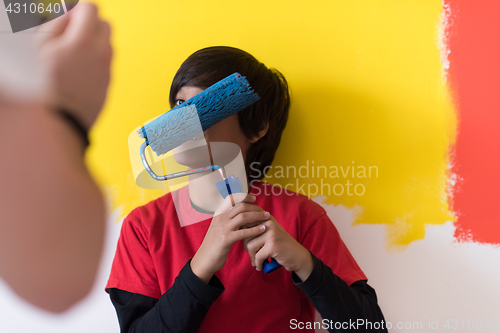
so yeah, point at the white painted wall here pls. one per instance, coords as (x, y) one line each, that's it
(435, 279)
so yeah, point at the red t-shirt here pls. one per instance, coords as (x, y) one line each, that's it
(153, 248)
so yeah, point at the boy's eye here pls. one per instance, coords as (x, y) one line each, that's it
(179, 102)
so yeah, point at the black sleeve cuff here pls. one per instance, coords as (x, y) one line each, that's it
(337, 301)
(313, 282)
(204, 293)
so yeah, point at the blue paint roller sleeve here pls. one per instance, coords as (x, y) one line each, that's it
(216, 103)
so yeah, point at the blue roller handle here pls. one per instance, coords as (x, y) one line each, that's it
(270, 266)
(233, 185)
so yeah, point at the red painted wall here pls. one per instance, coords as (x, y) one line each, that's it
(474, 43)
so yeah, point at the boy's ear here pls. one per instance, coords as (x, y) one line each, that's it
(262, 132)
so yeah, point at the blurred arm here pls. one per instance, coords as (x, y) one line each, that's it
(52, 212)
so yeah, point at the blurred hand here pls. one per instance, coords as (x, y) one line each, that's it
(76, 58)
(223, 232)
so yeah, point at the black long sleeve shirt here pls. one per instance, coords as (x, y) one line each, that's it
(183, 307)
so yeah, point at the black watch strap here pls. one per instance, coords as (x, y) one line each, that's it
(75, 123)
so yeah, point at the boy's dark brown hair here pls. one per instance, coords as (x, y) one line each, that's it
(210, 65)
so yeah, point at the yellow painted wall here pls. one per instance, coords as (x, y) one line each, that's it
(367, 90)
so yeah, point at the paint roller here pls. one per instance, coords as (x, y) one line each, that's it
(182, 123)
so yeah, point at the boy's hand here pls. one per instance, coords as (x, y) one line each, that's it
(278, 244)
(223, 232)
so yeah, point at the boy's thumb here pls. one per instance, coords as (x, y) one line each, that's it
(227, 204)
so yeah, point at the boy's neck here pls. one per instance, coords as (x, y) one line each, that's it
(203, 193)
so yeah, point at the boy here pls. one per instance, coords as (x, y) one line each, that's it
(163, 276)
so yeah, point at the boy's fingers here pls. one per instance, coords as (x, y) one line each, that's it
(224, 207)
(261, 255)
(236, 197)
(243, 208)
(242, 198)
(247, 217)
(249, 233)
(253, 245)
(249, 198)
